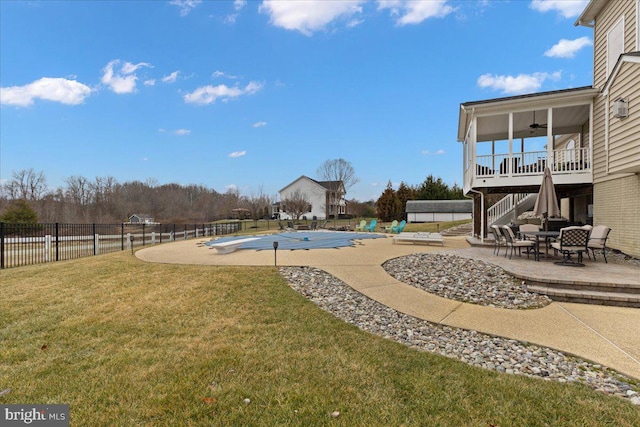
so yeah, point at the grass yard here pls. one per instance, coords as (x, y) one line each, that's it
(128, 343)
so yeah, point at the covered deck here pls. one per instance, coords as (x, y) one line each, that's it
(508, 142)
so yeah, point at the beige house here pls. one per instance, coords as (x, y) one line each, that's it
(589, 137)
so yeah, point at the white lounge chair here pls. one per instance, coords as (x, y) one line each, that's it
(419, 238)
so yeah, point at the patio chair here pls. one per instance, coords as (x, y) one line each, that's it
(372, 225)
(388, 228)
(498, 239)
(513, 243)
(598, 240)
(362, 225)
(570, 241)
(398, 229)
(531, 228)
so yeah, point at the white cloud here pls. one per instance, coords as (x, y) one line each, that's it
(237, 154)
(259, 124)
(150, 82)
(308, 16)
(522, 83)
(185, 6)
(208, 94)
(414, 12)
(568, 48)
(124, 80)
(218, 73)
(171, 78)
(239, 4)
(70, 92)
(178, 132)
(434, 153)
(566, 8)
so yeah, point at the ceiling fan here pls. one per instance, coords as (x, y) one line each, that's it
(536, 125)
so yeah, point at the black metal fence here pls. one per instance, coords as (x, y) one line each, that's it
(25, 244)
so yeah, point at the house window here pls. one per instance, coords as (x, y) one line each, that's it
(615, 44)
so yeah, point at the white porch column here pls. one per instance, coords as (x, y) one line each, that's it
(550, 147)
(510, 170)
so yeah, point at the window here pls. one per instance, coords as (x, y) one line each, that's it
(615, 44)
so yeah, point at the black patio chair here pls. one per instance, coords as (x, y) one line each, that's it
(572, 240)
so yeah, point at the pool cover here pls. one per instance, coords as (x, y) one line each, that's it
(301, 240)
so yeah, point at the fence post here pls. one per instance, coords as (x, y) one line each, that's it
(95, 239)
(96, 244)
(122, 236)
(47, 248)
(153, 237)
(57, 241)
(1, 245)
(173, 233)
(144, 226)
(160, 227)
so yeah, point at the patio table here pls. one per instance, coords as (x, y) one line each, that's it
(542, 235)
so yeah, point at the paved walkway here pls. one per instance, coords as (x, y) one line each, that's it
(605, 335)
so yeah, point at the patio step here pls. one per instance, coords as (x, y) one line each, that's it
(591, 293)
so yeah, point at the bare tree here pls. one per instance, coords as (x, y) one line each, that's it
(257, 204)
(296, 204)
(26, 184)
(339, 176)
(338, 170)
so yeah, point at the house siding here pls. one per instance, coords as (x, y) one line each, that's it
(313, 192)
(617, 204)
(610, 16)
(624, 137)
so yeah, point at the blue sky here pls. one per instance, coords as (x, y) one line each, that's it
(252, 94)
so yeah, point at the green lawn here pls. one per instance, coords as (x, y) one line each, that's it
(128, 343)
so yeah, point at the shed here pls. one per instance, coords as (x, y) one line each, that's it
(438, 210)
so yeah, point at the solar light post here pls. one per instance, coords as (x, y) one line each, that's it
(275, 252)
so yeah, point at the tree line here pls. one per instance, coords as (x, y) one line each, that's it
(105, 200)
(392, 203)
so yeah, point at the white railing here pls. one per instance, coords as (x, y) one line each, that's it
(571, 161)
(505, 206)
(532, 163)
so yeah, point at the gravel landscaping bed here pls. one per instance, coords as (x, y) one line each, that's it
(475, 348)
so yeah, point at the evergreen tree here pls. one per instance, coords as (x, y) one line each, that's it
(385, 204)
(19, 211)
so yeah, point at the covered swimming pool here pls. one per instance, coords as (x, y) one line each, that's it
(301, 240)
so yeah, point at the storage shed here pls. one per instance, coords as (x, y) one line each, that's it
(438, 210)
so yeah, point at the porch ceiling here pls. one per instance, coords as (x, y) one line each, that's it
(570, 111)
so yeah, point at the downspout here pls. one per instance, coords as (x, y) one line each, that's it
(482, 212)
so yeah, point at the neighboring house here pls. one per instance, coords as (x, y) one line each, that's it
(438, 210)
(588, 136)
(326, 198)
(141, 219)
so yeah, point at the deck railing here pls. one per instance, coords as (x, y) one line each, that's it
(532, 163)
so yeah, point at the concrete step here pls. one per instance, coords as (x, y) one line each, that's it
(584, 296)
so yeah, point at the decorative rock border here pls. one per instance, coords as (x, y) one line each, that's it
(475, 348)
(461, 279)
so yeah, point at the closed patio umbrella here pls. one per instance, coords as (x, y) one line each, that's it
(547, 201)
